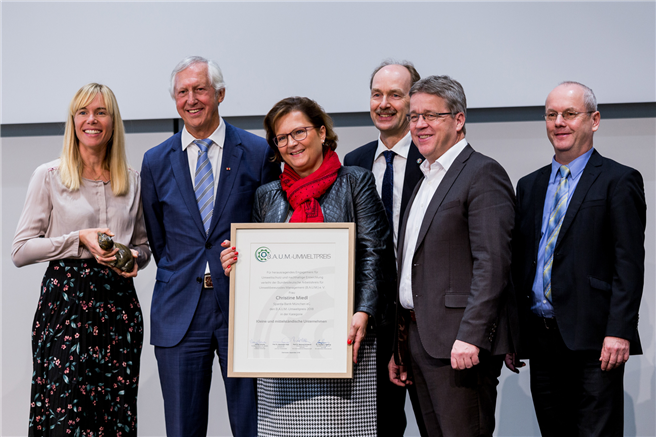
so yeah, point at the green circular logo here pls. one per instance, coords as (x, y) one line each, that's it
(262, 254)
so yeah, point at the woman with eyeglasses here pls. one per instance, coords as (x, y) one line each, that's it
(315, 187)
(88, 327)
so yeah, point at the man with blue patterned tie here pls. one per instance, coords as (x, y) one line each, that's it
(394, 161)
(578, 271)
(193, 186)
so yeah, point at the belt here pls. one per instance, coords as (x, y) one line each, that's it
(548, 323)
(207, 281)
(413, 316)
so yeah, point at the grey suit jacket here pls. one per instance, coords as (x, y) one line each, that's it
(461, 264)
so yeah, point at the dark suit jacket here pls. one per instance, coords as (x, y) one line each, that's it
(363, 157)
(461, 264)
(598, 268)
(352, 198)
(175, 230)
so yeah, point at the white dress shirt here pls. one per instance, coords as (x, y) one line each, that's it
(214, 154)
(402, 148)
(433, 175)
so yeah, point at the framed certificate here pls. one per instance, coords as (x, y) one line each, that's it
(291, 300)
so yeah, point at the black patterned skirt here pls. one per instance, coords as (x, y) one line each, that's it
(301, 407)
(86, 343)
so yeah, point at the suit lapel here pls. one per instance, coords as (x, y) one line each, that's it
(412, 175)
(402, 227)
(447, 182)
(228, 171)
(590, 174)
(367, 157)
(538, 195)
(180, 166)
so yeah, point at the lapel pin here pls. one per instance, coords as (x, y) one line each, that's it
(419, 160)
(228, 168)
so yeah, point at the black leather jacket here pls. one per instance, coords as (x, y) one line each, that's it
(351, 198)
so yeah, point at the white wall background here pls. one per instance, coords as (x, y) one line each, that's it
(505, 54)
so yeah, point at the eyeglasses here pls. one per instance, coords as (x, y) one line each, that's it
(567, 115)
(427, 116)
(298, 134)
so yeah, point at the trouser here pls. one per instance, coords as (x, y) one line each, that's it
(390, 398)
(454, 402)
(572, 396)
(185, 373)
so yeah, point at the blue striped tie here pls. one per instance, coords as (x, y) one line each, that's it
(553, 227)
(204, 183)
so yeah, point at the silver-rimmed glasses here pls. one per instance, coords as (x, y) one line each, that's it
(427, 116)
(568, 115)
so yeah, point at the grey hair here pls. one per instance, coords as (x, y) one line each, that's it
(446, 88)
(213, 72)
(414, 75)
(589, 99)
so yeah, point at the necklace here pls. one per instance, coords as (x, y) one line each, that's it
(99, 176)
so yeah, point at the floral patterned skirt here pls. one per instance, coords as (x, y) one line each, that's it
(86, 341)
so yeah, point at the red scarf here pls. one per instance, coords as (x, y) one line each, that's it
(302, 193)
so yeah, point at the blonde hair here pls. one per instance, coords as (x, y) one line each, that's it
(71, 166)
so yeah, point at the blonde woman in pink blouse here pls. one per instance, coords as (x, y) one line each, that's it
(88, 329)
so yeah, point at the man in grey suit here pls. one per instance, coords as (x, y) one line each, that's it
(454, 262)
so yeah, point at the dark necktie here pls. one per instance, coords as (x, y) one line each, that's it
(388, 187)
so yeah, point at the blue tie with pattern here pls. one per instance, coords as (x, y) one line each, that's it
(204, 183)
(553, 227)
(388, 187)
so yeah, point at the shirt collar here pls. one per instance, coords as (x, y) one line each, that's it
(401, 148)
(218, 136)
(575, 167)
(446, 160)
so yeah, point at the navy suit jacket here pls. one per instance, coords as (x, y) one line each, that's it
(177, 238)
(598, 268)
(364, 157)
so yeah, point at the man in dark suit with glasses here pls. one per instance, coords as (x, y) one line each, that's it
(578, 271)
(454, 254)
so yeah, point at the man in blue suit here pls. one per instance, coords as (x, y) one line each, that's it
(193, 186)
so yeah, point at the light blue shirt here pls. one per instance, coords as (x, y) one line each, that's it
(540, 305)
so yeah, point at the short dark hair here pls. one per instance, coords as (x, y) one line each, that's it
(414, 75)
(446, 88)
(308, 107)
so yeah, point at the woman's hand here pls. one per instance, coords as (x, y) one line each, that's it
(358, 332)
(228, 257)
(134, 271)
(89, 239)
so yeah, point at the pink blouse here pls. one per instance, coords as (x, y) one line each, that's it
(53, 215)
